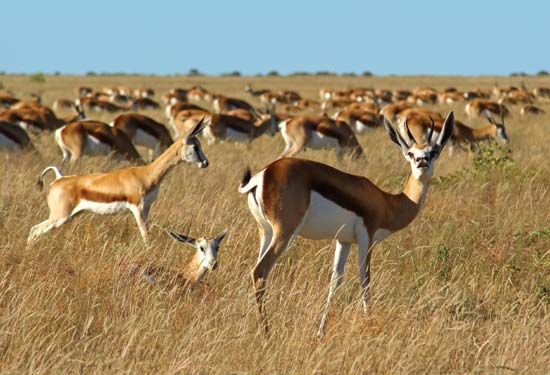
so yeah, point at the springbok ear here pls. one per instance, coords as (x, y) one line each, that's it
(182, 238)
(394, 135)
(220, 238)
(447, 130)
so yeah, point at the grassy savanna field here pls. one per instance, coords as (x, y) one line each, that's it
(464, 289)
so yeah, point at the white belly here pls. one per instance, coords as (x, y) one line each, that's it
(95, 147)
(237, 136)
(319, 140)
(360, 128)
(100, 208)
(145, 139)
(6, 142)
(325, 219)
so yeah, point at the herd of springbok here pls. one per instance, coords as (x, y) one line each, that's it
(289, 197)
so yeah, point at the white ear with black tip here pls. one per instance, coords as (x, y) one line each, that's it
(446, 131)
(182, 238)
(394, 134)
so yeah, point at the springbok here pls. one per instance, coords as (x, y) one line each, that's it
(530, 109)
(14, 137)
(144, 131)
(359, 120)
(485, 108)
(134, 189)
(318, 132)
(204, 259)
(38, 117)
(294, 197)
(231, 128)
(61, 104)
(223, 103)
(6, 101)
(421, 124)
(94, 138)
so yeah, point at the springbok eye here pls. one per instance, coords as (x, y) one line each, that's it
(202, 249)
(410, 155)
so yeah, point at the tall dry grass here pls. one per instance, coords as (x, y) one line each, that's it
(464, 289)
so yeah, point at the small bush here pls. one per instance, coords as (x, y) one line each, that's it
(272, 73)
(234, 73)
(193, 72)
(38, 78)
(367, 73)
(543, 73)
(492, 155)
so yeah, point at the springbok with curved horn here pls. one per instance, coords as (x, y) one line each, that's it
(204, 259)
(134, 189)
(295, 197)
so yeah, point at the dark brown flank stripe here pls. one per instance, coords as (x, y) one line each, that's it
(15, 133)
(103, 197)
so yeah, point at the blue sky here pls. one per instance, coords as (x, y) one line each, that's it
(386, 37)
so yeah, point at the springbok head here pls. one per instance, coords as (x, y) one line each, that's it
(421, 156)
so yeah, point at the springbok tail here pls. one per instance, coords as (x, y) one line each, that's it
(247, 183)
(40, 182)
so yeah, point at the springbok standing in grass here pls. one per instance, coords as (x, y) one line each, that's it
(292, 197)
(133, 188)
(205, 258)
(318, 132)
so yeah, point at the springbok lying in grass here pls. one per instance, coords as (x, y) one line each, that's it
(205, 258)
(294, 197)
(134, 189)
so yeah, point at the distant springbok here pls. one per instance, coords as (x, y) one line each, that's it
(318, 132)
(94, 138)
(134, 189)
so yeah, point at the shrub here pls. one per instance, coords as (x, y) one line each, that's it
(38, 78)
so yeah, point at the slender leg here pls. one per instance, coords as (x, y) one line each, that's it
(44, 227)
(364, 255)
(266, 235)
(261, 271)
(138, 215)
(340, 256)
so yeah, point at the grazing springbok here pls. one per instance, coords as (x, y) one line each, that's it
(94, 138)
(144, 131)
(421, 125)
(294, 197)
(144, 103)
(232, 128)
(318, 132)
(485, 108)
(14, 137)
(61, 104)
(223, 103)
(134, 189)
(37, 117)
(530, 109)
(359, 120)
(204, 259)
(6, 101)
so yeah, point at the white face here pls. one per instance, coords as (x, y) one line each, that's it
(207, 250)
(422, 159)
(192, 153)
